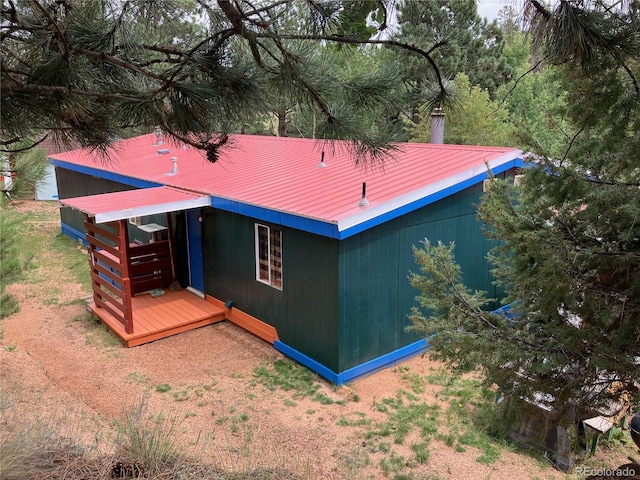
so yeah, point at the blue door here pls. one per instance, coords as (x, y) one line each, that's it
(196, 264)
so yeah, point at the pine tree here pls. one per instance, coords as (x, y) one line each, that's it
(93, 71)
(570, 235)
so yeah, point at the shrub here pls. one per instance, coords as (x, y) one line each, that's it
(149, 441)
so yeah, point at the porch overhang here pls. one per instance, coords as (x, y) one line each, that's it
(109, 207)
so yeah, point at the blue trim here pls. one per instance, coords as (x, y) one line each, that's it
(308, 362)
(330, 230)
(410, 207)
(116, 177)
(506, 310)
(73, 233)
(311, 225)
(318, 227)
(361, 370)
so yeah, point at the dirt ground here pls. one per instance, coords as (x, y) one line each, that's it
(55, 364)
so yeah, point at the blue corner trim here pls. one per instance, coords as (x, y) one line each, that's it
(96, 172)
(308, 362)
(351, 374)
(73, 232)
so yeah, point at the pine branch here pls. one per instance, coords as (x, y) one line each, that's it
(236, 18)
(571, 142)
(531, 70)
(24, 149)
(358, 41)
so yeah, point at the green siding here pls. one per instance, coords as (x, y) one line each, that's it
(375, 297)
(305, 311)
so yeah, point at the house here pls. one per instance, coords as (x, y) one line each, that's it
(296, 244)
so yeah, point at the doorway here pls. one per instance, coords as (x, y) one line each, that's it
(194, 250)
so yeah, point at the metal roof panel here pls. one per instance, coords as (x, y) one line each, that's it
(108, 207)
(282, 174)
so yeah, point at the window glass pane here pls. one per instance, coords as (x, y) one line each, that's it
(263, 253)
(276, 258)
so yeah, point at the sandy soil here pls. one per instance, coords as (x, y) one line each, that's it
(54, 364)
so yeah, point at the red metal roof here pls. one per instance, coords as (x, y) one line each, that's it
(108, 207)
(282, 174)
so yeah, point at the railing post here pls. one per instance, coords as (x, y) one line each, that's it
(92, 260)
(128, 309)
(123, 233)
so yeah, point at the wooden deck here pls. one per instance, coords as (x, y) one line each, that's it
(159, 317)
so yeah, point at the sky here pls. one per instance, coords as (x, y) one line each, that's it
(490, 8)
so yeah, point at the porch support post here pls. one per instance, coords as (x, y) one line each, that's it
(95, 287)
(123, 234)
(172, 248)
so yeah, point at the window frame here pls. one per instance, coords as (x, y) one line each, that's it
(274, 272)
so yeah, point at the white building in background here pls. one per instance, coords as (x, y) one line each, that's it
(47, 189)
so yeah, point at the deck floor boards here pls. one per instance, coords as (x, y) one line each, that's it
(159, 317)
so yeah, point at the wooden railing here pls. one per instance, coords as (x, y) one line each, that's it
(110, 276)
(150, 266)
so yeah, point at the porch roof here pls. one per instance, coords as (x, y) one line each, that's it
(108, 207)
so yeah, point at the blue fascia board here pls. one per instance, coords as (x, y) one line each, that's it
(410, 207)
(311, 225)
(74, 233)
(358, 371)
(318, 227)
(96, 172)
(330, 230)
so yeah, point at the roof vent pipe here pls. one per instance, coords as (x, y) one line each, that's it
(363, 201)
(159, 136)
(322, 164)
(174, 168)
(437, 126)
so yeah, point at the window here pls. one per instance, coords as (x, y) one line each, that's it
(269, 256)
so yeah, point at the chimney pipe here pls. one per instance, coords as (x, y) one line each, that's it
(174, 168)
(159, 136)
(363, 201)
(437, 126)
(322, 164)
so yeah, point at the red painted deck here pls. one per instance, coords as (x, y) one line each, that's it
(159, 317)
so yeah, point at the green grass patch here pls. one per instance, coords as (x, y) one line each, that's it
(439, 376)
(139, 378)
(163, 388)
(96, 333)
(361, 421)
(421, 452)
(392, 464)
(353, 461)
(416, 382)
(404, 417)
(325, 399)
(287, 376)
(181, 396)
(473, 419)
(72, 255)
